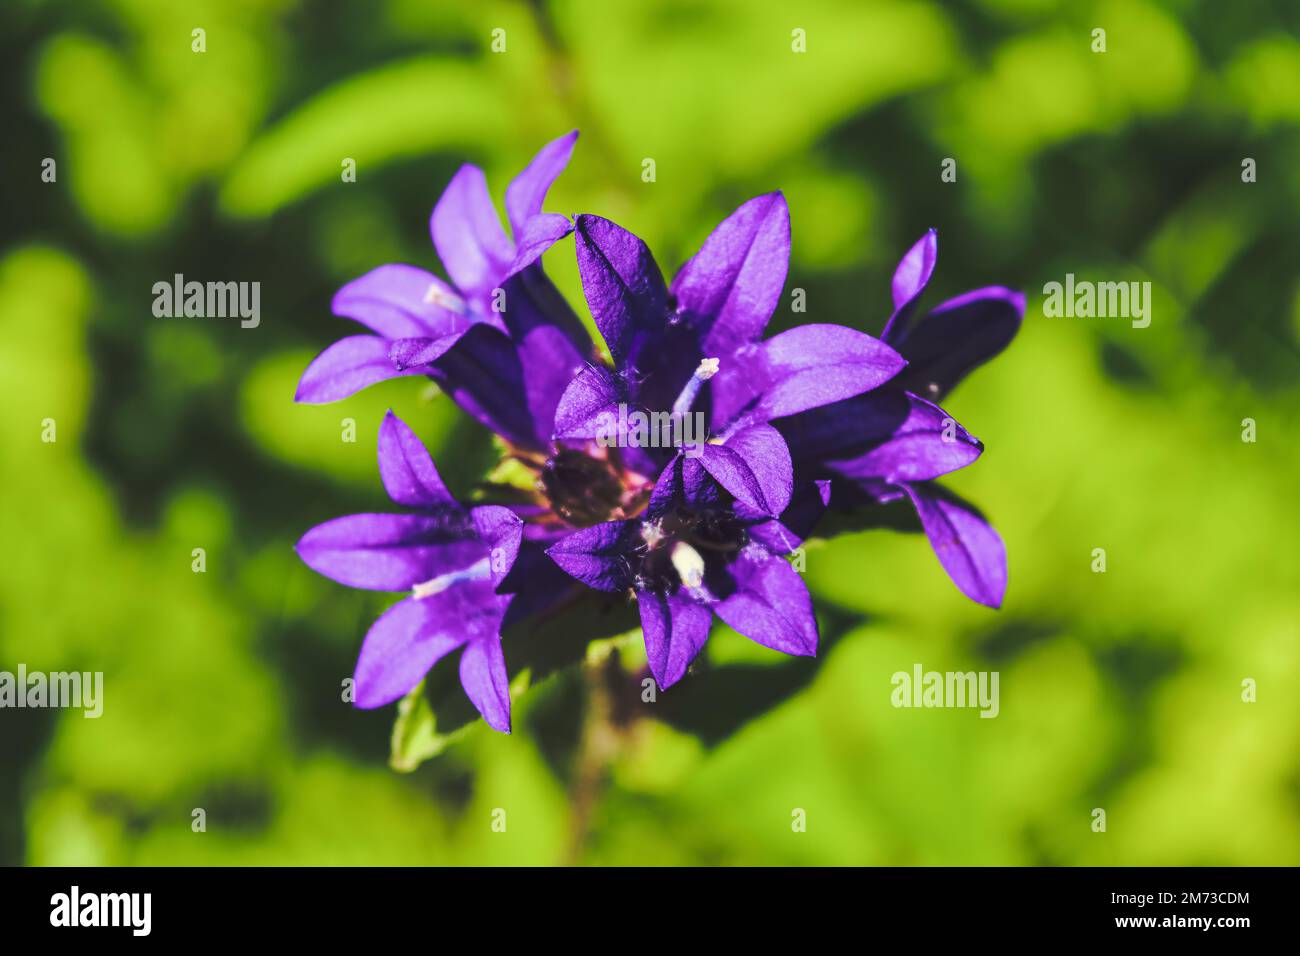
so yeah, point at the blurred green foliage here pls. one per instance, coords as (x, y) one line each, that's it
(222, 690)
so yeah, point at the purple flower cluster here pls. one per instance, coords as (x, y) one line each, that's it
(689, 532)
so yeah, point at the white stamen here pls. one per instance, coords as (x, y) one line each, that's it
(707, 369)
(480, 570)
(652, 533)
(436, 295)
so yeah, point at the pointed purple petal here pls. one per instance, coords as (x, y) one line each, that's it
(395, 301)
(887, 434)
(413, 353)
(927, 443)
(407, 471)
(963, 333)
(345, 368)
(730, 288)
(966, 545)
(754, 465)
(535, 236)
(806, 367)
(467, 234)
(910, 279)
(602, 556)
(782, 535)
(683, 484)
(770, 605)
(400, 647)
(527, 191)
(623, 286)
(590, 405)
(483, 675)
(384, 552)
(675, 629)
(501, 531)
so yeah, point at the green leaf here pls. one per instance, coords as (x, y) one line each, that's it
(415, 735)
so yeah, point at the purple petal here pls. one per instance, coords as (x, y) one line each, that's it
(589, 407)
(910, 279)
(467, 234)
(602, 556)
(345, 368)
(622, 284)
(501, 531)
(730, 288)
(400, 647)
(536, 584)
(806, 367)
(675, 629)
(927, 443)
(683, 485)
(770, 605)
(413, 353)
(782, 535)
(384, 552)
(535, 236)
(943, 346)
(551, 343)
(966, 545)
(483, 675)
(527, 191)
(407, 471)
(754, 465)
(396, 302)
(484, 375)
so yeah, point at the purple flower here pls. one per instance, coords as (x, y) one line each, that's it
(692, 530)
(452, 559)
(722, 516)
(500, 339)
(696, 552)
(892, 442)
(716, 310)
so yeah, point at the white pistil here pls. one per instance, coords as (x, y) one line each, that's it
(688, 563)
(703, 372)
(431, 587)
(480, 570)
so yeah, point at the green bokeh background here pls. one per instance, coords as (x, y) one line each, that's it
(1120, 690)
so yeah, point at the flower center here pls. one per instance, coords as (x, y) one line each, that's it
(679, 546)
(586, 489)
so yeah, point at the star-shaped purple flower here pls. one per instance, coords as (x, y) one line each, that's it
(500, 339)
(713, 537)
(893, 442)
(716, 309)
(697, 552)
(452, 559)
